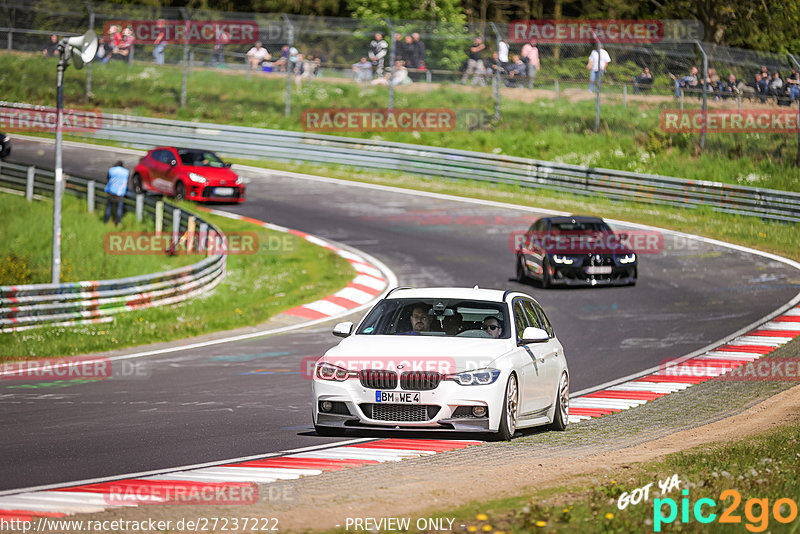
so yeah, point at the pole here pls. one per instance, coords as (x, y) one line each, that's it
(703, 87)
(797, 156)
(89, 66)
(185, 16)
(392, 56)
(290, 34)
(597, 86)
(496, 77)
(55, 271)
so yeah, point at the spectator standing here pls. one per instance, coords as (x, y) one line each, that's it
(51, 48)
(687, 82)
(643, 82)
(765, 75)
(116, 188)
(408, 54)
(597, 66)
(257, 55)
(417, 48)
(793, 83)
(363, 70)
(399, 48)
(218, 55)
(475, 63)
(530, 56)
(762, 85)
(160, 41)
(377, 54)
(502, 53)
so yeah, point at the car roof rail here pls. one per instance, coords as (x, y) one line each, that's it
(395, 289)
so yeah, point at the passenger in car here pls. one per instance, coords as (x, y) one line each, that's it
(452, 324)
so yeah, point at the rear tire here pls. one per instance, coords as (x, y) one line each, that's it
(138, 186)
(180, 191)
(508, 417)
(561, 416)
(522, 276)
(546, 274)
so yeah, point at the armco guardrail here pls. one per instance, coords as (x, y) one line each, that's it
(142, 132)
(30, 306)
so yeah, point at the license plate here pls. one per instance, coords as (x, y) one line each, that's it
(598, 270)
(223, 191)
(397, 397)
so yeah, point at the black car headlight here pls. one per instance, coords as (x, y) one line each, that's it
(479, 377)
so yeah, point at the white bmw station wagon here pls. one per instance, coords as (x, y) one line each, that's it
(457, 359)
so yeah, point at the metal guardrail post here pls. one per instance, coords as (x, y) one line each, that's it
(159, 217)
(29, 182)
(185, 16)
(202, 237)
(10, 40)
(392, 56)
(287, 109)
(624, 96)
(191, 62)
(190, 232)
(139, 207)
(90, 196)
(176, 225)
(705, 97)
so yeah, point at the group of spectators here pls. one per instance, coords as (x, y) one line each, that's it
(764, 85)
(519, 69)
(303, 66)
(117, 45)
(409, 52)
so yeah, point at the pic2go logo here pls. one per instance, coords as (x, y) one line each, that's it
(756, 511)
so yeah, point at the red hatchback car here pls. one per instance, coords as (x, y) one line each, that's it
(188, 173)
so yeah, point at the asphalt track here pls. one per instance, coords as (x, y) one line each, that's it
(248, 397)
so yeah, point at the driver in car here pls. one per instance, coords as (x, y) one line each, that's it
(492, 327)
(420, 319)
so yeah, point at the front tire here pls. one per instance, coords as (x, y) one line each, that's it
(138, 186)
(522, 276)
(180, 191)
(546, 274)
(561, 416)
(508, 417)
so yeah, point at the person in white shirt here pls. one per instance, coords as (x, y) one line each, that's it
(597, 64)
(257, 55)
(502, 53)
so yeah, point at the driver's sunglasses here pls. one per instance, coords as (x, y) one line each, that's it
(491, 327)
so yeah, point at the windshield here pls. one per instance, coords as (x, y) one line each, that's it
(593, 226)
(200, 158)
(437, 317)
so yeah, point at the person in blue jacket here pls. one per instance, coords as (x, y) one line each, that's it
(116, 188)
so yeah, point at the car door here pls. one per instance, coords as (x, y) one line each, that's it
(161, 169)
(547, 353)
(533, 392)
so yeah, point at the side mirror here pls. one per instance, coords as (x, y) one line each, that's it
(228, 165)
(173, 162)
(534, 335)
(343, 329)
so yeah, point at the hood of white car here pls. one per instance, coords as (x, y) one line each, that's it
(417, 353)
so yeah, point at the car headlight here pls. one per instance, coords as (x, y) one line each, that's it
(239, 180)
(562, 259)
(193, 176)
(628, 258)
(326, 371)
(480, 377)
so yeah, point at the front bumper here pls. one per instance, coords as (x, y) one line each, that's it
(206, 193)
(441, 410)
(568, 275)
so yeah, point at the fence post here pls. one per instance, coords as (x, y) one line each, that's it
(287, 108)
(597, 85)
(29, 183)
(392, 56)
(624, 96)
(705, 97)
(185, 16)
(797, 156)
(428, 78)
(191, 62)
(89, 66)
(556, 90)
(202, 237)
(190, 232)
(10, 40)
(496, 81)
(176, 226)
(90, 185)
(681, 99)
(139, 207)
(159, 216)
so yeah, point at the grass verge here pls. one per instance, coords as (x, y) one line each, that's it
(255, 288)
(533, 124)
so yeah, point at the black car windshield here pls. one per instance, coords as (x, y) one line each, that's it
(580, 226)
(200, 158)
(437, 317)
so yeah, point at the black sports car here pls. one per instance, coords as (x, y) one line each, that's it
(5, 145)
(575, 250)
